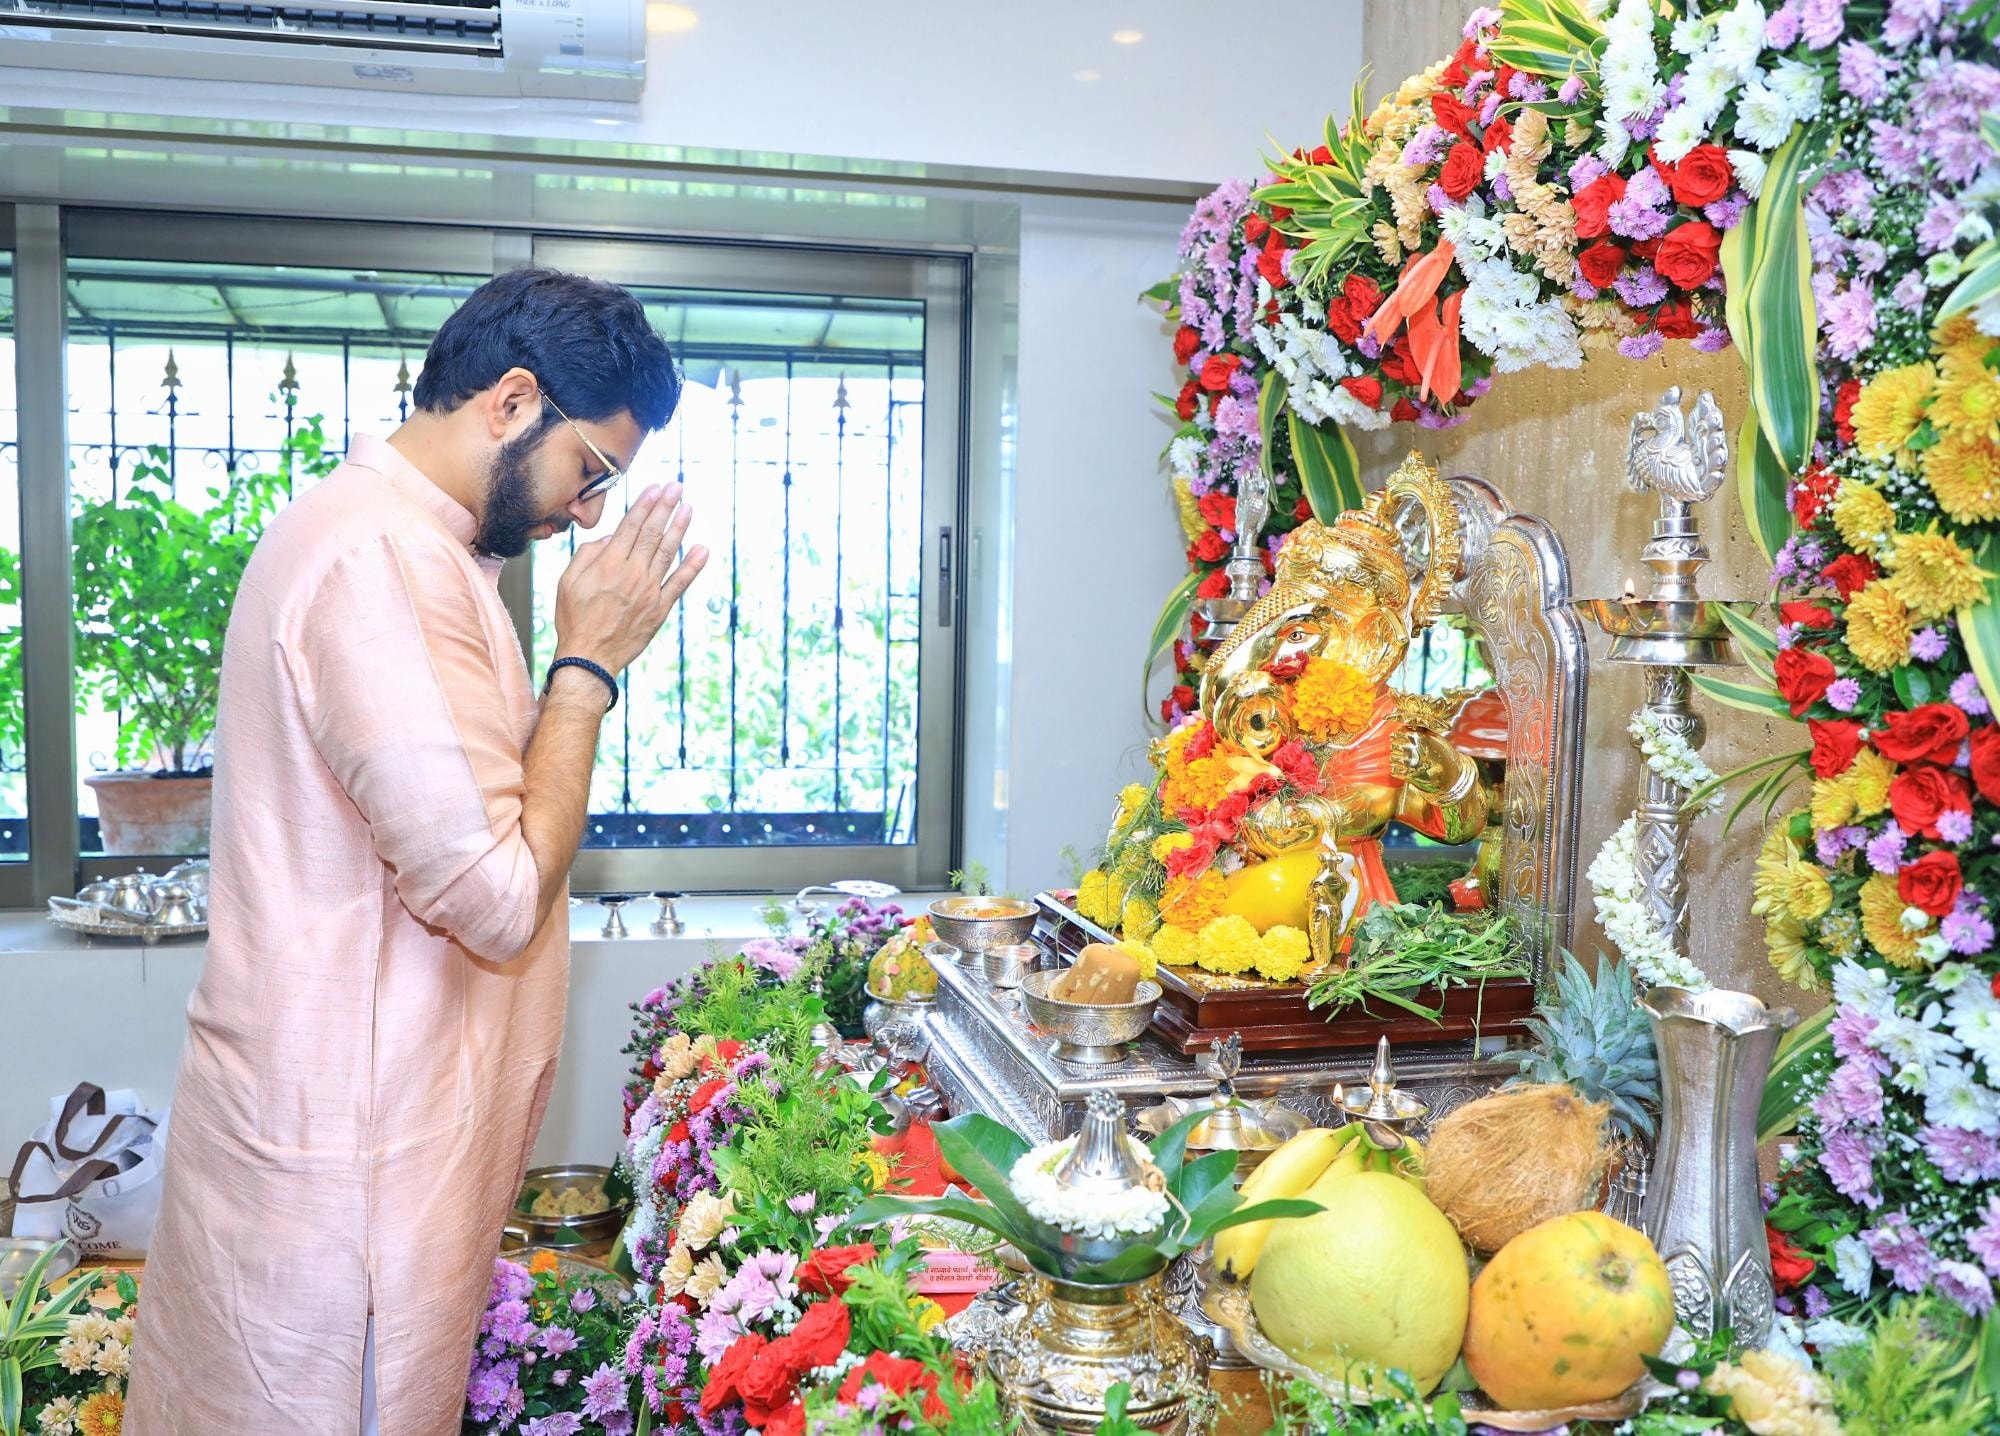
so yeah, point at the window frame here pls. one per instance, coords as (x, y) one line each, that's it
(46, 236)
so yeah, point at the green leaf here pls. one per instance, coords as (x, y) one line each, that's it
(958, 1207)
(1792, 1083)
(1329, 469)
(1758, 644)
(1169, 626)
(1271, 398)
(1759, 698)
(1165, 292)
(10, 1395)
(1979, 624)
(1979, 280)
(1784, 323)
(1761, 481)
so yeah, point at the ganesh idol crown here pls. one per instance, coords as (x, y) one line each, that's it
(1257, 846)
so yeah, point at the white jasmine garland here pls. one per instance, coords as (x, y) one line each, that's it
(1669, 756)
(1620, 898)
(1137, 1213)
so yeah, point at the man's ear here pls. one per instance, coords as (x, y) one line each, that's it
(515, 393)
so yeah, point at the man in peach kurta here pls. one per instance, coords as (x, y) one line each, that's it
(371, 1045)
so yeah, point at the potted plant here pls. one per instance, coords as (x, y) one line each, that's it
(154, 582)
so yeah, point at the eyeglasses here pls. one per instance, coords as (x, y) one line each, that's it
(612, 473)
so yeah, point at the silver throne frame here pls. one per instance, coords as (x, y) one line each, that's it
(1512, 585)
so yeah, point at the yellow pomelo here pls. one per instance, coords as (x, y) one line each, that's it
(1566, 1312)
(1274, 893)
(1376, 1280)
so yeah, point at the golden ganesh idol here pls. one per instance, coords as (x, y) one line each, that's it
(1270, 803)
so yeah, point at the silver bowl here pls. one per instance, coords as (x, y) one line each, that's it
(974, 924)
(590, 1227)
(897, 1025)
(1091, 1034)
(1005, 966)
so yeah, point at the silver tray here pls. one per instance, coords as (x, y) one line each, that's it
(1229, 1306)
(94, 921)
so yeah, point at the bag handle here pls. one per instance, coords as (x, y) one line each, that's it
(74, 1183)
(86, 1101)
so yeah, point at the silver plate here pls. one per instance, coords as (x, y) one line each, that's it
(84, 918)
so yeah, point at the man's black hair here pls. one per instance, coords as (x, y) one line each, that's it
(588, 342)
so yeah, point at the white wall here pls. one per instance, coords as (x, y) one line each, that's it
(954, 84)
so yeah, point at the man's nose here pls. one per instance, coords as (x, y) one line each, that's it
(588, 511)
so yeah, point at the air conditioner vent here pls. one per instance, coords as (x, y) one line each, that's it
(470, 28)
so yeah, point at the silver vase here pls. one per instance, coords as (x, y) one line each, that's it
(1703, 1209)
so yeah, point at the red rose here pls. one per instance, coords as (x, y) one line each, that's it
(1675, 320)
(1367, 388)
(1213, 586)
(1593, 201)
(1217, 372)
(897, 1373)
(771, 1383)
(1789, 1266)
(1802, 678)
(1363, 293)
(825, 1271)
(1463, 169)
(1498, 136)
(1210, 548)
(726, 1373)
(1321, 155)
(1184, 406)
(1187, 340)
(1805, 615)
(1932, 883)
(1689, 253)
(1600, 263)
(789, 1422)
(1302, 510)
(1453, 113)
(1921, 795)
(1219, 509)
(1255, 227)
(1843, 408)
(1646, 248)
(1930, 734)
(1835, 742)
(1849, 574)
(1404, 412)
(1347, 311)
(821, 1334)
(1271, 265)
(1702, 177)
(1986, 762)
(1183, 695)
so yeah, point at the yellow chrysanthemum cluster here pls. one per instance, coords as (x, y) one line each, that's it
(1231, 945)
(1934, 573)
(1332, 701)
(1865, 520)
(1879, 627)
(1890, 407)
(1861, 792)
(1193, 525)
(1967, 402)
(1192, 903)
(1785, 942)
(1786, 886)
(1963, 470)
(1882, 909)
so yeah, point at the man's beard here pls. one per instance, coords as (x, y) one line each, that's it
(510, 501)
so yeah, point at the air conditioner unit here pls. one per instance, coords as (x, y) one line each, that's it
(572, 49)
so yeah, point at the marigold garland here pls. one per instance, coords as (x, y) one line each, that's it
(1332, 701)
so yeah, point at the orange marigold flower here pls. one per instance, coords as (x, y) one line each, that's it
(1332, 701)
(543, 1263)
(1192, 903)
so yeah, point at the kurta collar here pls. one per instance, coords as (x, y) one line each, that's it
(368, 452)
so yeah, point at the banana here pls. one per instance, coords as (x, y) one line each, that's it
(1287, 1172)
(1353, 1158)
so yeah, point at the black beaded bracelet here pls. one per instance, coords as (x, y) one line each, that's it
(588, 667)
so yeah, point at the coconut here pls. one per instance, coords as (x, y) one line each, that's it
(1516, 1159)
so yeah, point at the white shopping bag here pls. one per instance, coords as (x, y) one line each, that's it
(91, 1174)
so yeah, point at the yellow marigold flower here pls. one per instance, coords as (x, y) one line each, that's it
(1192, 903)
(1785, 941)
(1882, 922)
(1188, 507)
(1138, 918)
(1283, 954)
(1935, 573)
(1968, 394)
(1331, 700)
(1890, 408)
(1832, 802)
(874, 1167)
(102, 1415)
(1786, 887)
(1131, 799)
(1167, 844)
(1229, 945)
(1868, 780)
(1090, 895)
(927, 1312)
(1963, 470)
(1176, 947)
(1773, 1395)
(1142, 954)
(1866, 522)
(1879, 627)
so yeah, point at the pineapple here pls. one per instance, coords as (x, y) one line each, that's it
(1595, 1038)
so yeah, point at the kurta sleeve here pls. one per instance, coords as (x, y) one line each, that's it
(399, 685)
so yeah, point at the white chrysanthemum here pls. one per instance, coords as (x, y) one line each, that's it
(1739, 38)
(1504, 317)
(1679, 132)
(1917, 1046)
(1617, 141)
(1634, 97)
(1184, 454)
(1854, 1264)
(1749, 167)
(1496, 164)
(1865, 989)
(1706, 88)
(1763, 118)
(1350, 413)
(1830, 1333)
(1953, 1097)
(1941, 269)
(1692, 34)
(1974, 1018)
(1474, 235)
(1974, 229)
(1801, 88)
